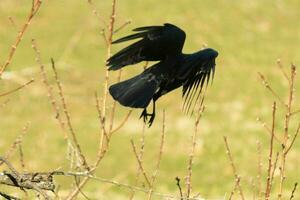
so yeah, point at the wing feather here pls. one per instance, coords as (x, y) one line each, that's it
(197, 71)
(156, 43)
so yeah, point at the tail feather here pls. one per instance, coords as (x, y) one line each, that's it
(136, 92)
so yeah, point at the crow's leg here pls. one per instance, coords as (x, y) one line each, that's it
(152, 116)
(145, 115)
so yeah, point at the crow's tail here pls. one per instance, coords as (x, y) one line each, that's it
(136, 92)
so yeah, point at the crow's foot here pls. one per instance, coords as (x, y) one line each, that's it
(145, 116)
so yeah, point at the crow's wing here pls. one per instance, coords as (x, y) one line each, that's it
(195, 72)
(156, 42)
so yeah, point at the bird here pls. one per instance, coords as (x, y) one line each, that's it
(173, 68)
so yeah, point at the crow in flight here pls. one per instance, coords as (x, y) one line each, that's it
(174, 69)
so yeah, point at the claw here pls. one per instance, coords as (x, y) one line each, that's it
(151, 119)
(145, 116)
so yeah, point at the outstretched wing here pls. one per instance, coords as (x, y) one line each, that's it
(156, 43)
(196, 72)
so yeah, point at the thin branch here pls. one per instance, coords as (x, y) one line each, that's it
(100, 120)
(67, 115)
(264, 124)
(179, 187)
(267, 85)
(34, 9)
(282, 70)
(236, 185)
(141, 154)
(259, 170)
(162, 141)
(228, 152)
(17, 141)
(274, 167)
(269, 184)
(16, 89)
(140, 164)
(294, 190)
(192, 152)
(122, 123)
(293, 140)
(113, 109)
(49, 88)
(295, 112)
(286, 129)
(122, 26)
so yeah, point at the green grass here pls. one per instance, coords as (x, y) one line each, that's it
(250, 37)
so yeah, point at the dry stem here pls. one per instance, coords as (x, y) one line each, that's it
(16, 89)
(269, 183)
(34, 9)
(237, 178)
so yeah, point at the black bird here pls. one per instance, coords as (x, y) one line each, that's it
(174, 69)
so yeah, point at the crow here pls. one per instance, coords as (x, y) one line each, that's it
(175, 69)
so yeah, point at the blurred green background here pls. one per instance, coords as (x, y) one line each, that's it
(249, 35)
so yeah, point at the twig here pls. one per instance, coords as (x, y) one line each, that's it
(295, 112)
(109, 39)
(96, 13)
(269, 184)
(49, 88)
(233, 168)
(237, 182)
(294, 190)
(259, 170)
(286, 129)
(34, 9)
(162, 141)
(113, 109)
(122, 26)
(140, 164)
(17, 141)
(192, 152)
(282, 70)
(21, 156)
(179, 187)
(141, 154)
(267, 85)
(122, 123)
(103, 130)
(274, 167)
(16, 89)
(293, 140)
(269, 130)
(67, 115)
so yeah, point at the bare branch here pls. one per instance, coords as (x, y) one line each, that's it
(267, 85)
(49, 88)
(16, 143)
(67, 115)
(269, 183)
(237, 177)
(34, 9)
(122, 26)
(140, 164)
(16, 89)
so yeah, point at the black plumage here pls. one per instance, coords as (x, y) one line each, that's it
(174, 69)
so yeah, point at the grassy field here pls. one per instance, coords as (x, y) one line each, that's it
(249, 35)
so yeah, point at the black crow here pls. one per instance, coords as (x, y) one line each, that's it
(174, 69)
